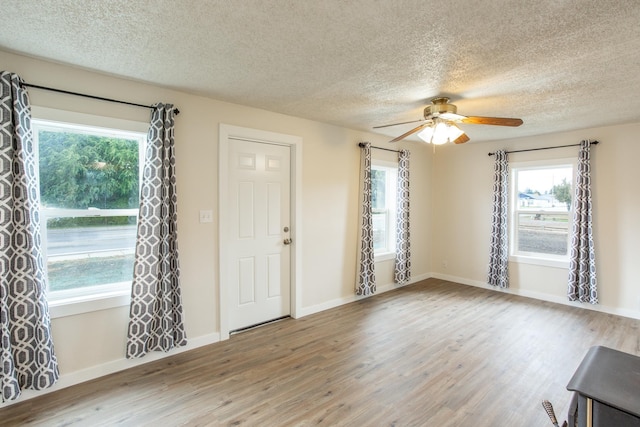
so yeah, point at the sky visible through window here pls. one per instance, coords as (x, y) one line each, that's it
(543, 180)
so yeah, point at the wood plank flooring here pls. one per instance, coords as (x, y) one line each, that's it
(434, 353)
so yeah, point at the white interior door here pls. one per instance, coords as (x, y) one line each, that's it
(259, 255)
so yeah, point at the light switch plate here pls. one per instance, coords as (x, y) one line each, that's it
(206, 216)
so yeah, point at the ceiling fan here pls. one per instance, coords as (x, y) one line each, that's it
(440, 123)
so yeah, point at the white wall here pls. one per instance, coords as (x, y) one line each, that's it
(462, 202)
(92, 344)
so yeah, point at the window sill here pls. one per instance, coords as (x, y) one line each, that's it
(88, 303)
(384, 256)
(546, 262)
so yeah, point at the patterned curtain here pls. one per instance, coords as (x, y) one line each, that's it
(582, 265)
(499, 253)
(366, 266)
(155, 319)
(28, 358)
(403, 245)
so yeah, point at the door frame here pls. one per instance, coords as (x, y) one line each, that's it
(229, 133)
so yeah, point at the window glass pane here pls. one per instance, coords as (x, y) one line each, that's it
(545, 189)
(383, 194)
(378, 188)
(79, 170)
(543, 233)
(89, 251)
(89, 190)
(379, 230)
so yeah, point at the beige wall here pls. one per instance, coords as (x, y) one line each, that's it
(462, 185)
(92, 344)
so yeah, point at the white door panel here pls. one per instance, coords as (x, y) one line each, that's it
(259, 213)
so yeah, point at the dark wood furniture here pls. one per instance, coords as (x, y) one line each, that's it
(607, 389)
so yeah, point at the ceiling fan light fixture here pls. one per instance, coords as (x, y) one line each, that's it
(439, 123)
(454, 132)
(426, 134)
(440, 132)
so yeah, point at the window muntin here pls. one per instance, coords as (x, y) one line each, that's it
(384, 176)
(541, 211)
(89, 190)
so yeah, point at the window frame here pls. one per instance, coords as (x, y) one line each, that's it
(84, 300)
(389, 252)
(537, 258)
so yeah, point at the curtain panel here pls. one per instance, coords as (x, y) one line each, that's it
(499, 252)
(156, 318)
(582, 260)
(366, 281)
(28, 357)
(402, 272)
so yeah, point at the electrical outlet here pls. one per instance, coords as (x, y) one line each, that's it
(206, 216)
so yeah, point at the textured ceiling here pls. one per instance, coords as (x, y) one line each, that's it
(557, 64)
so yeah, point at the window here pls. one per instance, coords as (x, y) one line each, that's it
(383, 205)
(541, 211)
(89, 191)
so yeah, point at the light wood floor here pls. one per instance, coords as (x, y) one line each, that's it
(430, 354)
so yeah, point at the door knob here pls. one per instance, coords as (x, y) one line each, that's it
(287, 241)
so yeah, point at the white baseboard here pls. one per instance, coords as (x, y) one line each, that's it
(633, 314)
(306, 311)
(77, 377)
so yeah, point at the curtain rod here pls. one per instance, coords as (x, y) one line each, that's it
(361, 144)
(544, 148)
(99, 98)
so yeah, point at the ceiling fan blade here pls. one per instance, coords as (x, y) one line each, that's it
(496, 121)
(396, 124)
(411, 132)
(461, 139)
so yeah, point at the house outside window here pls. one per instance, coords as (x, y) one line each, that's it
(384, 177)
(89, 193)
(541, 211)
